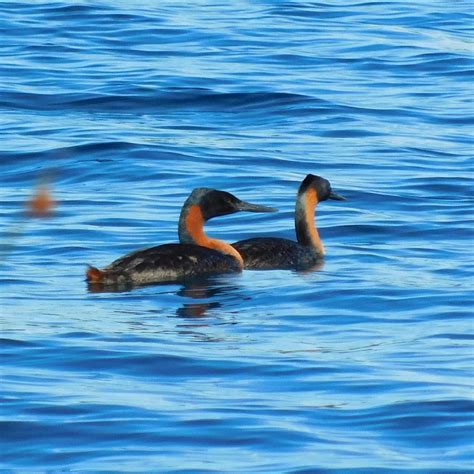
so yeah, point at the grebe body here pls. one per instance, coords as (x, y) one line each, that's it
(196, 254)
(271, 253)
(265, 253)
(165, 263)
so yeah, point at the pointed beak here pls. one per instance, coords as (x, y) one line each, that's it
(337, 197)
(249, 207)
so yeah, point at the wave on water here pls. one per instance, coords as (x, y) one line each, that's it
(118, 110)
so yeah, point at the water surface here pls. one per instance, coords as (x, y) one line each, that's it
(124, 107)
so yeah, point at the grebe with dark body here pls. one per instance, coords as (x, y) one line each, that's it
(196, 254)
(266, 253)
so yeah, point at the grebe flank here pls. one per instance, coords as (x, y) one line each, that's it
(195, 255)
(267, 253)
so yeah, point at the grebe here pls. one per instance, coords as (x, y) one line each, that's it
(195, 255)
(274, 253)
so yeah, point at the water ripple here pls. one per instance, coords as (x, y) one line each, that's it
(363, 365)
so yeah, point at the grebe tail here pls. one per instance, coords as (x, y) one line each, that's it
(276, 253)
(195, 255)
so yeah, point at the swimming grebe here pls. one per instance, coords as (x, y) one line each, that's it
(275, 253)
(195, 255)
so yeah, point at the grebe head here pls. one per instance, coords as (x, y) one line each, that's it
(214, 203)
(312, 190)
(322, 187)
(204, 204)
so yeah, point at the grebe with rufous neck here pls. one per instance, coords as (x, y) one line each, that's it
(196, 255)
(266, 253)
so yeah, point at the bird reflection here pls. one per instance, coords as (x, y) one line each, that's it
(196, 289)
(204, 291)
(317, 267)
(196, 310)
(204, 288)
(101, 288)
(194, 314)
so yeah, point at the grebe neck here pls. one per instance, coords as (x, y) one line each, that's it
(191, 231)
(305, 225)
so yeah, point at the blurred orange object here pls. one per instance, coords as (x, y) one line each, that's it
(41, 204)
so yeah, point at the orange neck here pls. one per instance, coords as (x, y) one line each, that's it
(193, 232)
(306, 230)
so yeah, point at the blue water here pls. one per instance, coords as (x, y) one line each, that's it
(123, 107)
